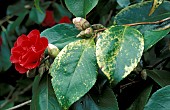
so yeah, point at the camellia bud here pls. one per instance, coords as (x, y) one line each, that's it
(52, 50)
(97, 26)
(86, 33)
(81, 23)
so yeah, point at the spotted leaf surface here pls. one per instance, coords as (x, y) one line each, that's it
(140, 13)
(118, 50)
(74, 71)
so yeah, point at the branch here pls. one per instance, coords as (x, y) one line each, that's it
(20, 105)
(142, 23)
(15, 94)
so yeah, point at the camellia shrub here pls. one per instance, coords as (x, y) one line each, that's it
(85, 55)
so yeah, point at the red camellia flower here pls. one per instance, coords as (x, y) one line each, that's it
(28, 51)
(49, 19)
(65, 19)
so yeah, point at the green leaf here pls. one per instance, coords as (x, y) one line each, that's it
(155, 5)
(4, 53)
(74, 71)
(160, 100)
(43, 94)
(8, 105)
(152, 37)
(37, 5)
(95, 101)
(45, 5)
(17, 22)
(36, 16)
(142, 99)
(80, 8)
(123, 3)
(5, 88)
(19, 7)
(159, 76)
(61, 34)
(118, 51)
(140, 13)
(60, 11)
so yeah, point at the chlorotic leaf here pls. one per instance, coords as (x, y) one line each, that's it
(139, 13)
(149, 31)
(74, 71)
(81, 8)
(43, 94)
(61, 34)
(118, 51)
(160, 100)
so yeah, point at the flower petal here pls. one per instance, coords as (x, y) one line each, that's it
(65, 19)
(49, 19)
(18, 49)
(34, 36)
(19, 68)
(20, 39)
(14, 58)
(30, 60)
(44, 41)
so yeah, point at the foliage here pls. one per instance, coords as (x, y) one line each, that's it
(113, 56)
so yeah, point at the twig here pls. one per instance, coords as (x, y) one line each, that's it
(142, 23)
(5, 19)
(125, 85)
(20, 105)
(157, 63)
(108, 18)
(15, 95)
(26, 89)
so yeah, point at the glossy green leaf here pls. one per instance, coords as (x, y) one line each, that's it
(43, 94)
(36, 16)
(118, 51)
(7, 106)
(159, 76)
(80, 8)
(97, 101)
(123, 3)
(74, 71)
(61, 34)
(4, 53)
(37, 5)
(140, 13)
(142, 99)
(160, 100)
(152, 37)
